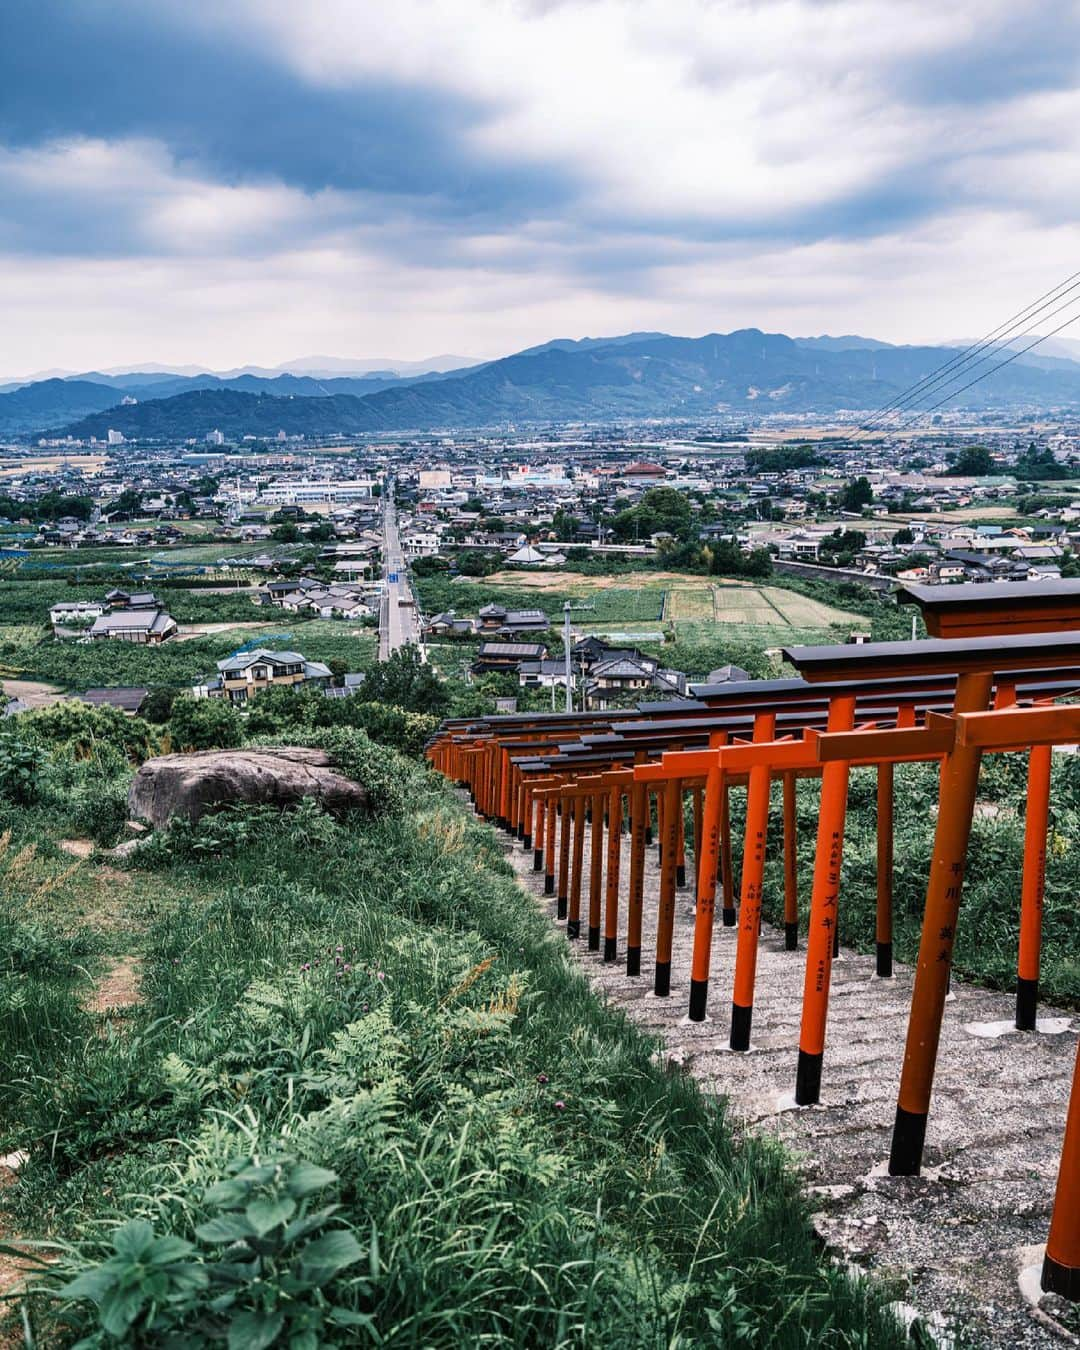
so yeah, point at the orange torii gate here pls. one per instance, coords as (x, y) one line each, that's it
(974, 661)
(970, 735)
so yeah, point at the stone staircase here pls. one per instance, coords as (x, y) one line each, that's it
(961, 1243)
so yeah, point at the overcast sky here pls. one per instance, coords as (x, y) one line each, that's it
(250, 181)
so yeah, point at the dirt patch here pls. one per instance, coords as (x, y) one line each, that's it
(189, 631)
(34, 693)
(118, 987)
(569, 581)
(78, 848)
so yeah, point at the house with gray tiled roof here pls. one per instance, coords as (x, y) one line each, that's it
(247, 673)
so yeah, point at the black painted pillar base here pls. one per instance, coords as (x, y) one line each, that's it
(740, 1026)
(594, 939)
(549, 884)
(633, 960)
(729, 918)
(1027, 1004)
(662, 982)
(680, 875)
(909, 1135)
(538, 859)
(791, 937)
(562, 905)
(699, 999)
(808, 1079)
(573, 928)
(884, 960)
(611, 949)
(1061, 1280)
(526, 842)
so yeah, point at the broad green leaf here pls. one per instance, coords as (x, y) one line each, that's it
(225, 1228)
(306, 1177)
(92, 1284)
(304, 1340)
(325, 1256)
(269, 1212)
(168, 1249)
(307, 1223)
(119, 1308)
(133, 1239)
(230, 1192)
(345, 1317)
(254, 1330)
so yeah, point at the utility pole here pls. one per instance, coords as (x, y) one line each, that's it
(569, 659)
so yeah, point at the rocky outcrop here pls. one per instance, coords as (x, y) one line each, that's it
(190, 785)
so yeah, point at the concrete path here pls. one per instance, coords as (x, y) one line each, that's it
(953, 1241)
(398, 623)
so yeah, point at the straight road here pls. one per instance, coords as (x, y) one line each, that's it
(398, 622)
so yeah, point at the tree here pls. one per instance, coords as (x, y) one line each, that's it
(782, 459)
(129, 503)
(853, 496)
(903, 536)
(1037, 464)
(473, 562)
(406, 682)
(661, 508)
(285, 534)
(972, 462)
(564, 524)
(157, 705)
(204, 724)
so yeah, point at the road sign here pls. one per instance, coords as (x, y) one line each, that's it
(393, 576)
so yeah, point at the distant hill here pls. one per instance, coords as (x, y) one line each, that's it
(48, 402)
(641, 376)
(842, 344)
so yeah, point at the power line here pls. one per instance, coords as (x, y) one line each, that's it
(997, 335)
(909, 402)
(956, 392)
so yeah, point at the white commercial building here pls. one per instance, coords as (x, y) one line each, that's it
(284, 492)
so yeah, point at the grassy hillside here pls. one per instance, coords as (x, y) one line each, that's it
(370, 1016)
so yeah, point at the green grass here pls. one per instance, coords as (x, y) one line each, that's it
(515, 1167)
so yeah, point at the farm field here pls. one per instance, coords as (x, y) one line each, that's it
(26, 653)
(672, 597)
(763, 606)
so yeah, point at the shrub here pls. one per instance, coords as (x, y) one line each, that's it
(269, 1269)
(100, 809)
(20, 768)
(204, 724)
(83, 730)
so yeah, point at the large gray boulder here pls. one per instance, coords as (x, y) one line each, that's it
(190, 785)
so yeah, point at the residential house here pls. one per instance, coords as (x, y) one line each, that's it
(75, 613)
(506, 622)
(448, 625)
(248, 673)
(128, 700)
(145, 626)
(506, 656)
(117, 599)
(612, 680)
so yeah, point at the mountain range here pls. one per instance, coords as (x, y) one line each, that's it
(634, 376)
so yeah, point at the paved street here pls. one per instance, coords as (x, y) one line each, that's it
(398, 624)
